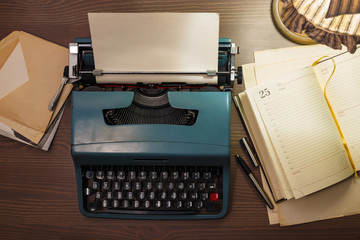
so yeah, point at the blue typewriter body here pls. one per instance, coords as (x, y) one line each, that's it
(206, 142)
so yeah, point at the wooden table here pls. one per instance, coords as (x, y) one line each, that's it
(38, 197)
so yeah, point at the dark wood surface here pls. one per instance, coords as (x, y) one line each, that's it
(38, 198)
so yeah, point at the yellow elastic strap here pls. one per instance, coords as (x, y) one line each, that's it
(333, 114)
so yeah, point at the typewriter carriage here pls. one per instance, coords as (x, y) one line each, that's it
(82, 68)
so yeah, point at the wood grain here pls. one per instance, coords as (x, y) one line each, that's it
(37, 189)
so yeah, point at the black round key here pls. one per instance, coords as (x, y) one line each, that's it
(198, 204)
(115, 203)
(185, 175)
(201, 186)
(191, 186)
(129, 195)
(109, 195)
(195, 175)
(105, 203)
(183, 195)
(188, 204)
(169, 186)
(116, 186)
(168, 204)
(162, 195)
(180, 186)
(89, 174)
(95, 186)
(132, 175)
(207, 175)
(151, 195)
(194, 196)
(127, 186)
(100, 175)
(164, 175)
(153, 175)
(120, 175)
(98, 195)
(110, 175)
(141, 195)
(87, 191)
(148, 185)
(157, 204)
(173, 195)
(138, 186)
(178, 204)
(212, 186)
(135, 204)
(204, 196)
(119, 195)
(93, 206)
(125, 204)
(175, 175)
(142, 175)
(106, 185)
(146, 204)
(159, 186)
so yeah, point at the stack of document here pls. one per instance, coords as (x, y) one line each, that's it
(31, 71)
(271, 66)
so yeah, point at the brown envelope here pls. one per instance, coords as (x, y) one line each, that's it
(26, 108)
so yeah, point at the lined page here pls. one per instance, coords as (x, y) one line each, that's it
(262, 143)
(302, 131)
(278, 181)
(343, 92)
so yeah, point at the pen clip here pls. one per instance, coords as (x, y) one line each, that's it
(250, 151)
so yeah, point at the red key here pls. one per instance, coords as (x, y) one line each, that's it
(214, 197)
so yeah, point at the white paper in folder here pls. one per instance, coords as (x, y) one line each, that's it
(155, 42)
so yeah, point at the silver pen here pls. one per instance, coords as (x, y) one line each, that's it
(254, 181)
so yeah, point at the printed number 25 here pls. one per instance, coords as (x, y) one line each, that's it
(264, 93)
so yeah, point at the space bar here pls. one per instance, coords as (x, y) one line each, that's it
(151, 212)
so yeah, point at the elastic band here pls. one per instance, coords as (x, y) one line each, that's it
(334, 116)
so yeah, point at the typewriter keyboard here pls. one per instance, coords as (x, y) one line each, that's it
(152, 189)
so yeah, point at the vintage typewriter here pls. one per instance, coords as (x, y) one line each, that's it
(148, 151)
